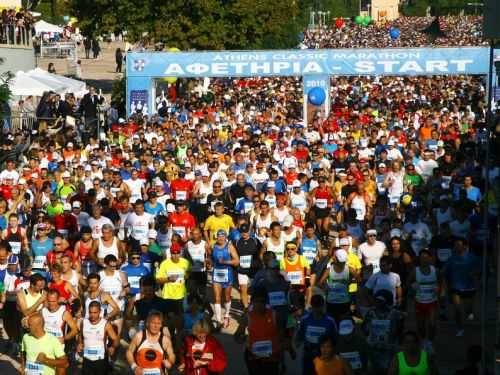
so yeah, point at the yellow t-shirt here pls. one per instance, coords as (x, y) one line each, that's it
(354, 263)
(214, 224)
(47, 344)
(174, 290)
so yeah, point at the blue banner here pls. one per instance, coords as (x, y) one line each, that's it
(394, 61)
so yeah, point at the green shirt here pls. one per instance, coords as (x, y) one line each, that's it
(47, 344)
(413, 179)
(58, 209)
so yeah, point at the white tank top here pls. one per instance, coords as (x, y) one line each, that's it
(54, 323)
(204, 191)
(88, 300)
(271, 199)
(197, 254)
(135, 189)
(289, 237)
(93, 339)
(263, 222)
(281, 214)
(73, 280)
(338, 286)
(426, 286)
(112, 285)
(298, 200)
(278, 249)
(102, 250)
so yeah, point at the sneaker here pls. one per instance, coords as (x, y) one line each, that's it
(470, 317)
(460, 333)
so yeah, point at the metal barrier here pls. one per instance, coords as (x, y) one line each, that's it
(16, 35)
(58, 49)
(17, 122)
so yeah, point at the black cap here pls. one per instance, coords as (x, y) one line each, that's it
(244, 228)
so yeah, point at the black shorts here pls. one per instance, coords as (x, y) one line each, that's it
(464, 293)
(321, 213)
(319, 267)
(338, 310)
(174, 306)
(99, 367)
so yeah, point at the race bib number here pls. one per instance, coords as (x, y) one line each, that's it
(181, 231)
(271, 201)
(310, 256)
(245, 261)
(314, 333)
(444, 254)
(93, 353)
(63, 232)
(426, 293)
(33, 368)
(39, 262)
(247, 207)
(181, 195)
(445, 182)
(179, 276)
(337, 293)
(353, 358)
(295, 277)
(221, 275)
(380, 330)
(134, 281)
(262, 349)
(151, 371)
(277, 298)
(15, 247)
(114, 191)
(394, 199)
(321, 203)
(380, 187)
(139, 232)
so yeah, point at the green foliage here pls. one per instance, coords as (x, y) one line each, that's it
(442, 7)
(118, 95)
(5, 93)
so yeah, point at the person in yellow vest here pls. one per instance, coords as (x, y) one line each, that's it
(297, 269)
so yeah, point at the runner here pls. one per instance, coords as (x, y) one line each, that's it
(58, 320)
(197, 252)
(412, 359)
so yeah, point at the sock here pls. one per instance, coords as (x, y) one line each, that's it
(218, 312)
(227, 307)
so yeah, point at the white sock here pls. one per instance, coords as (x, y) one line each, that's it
(218, 312)
(227, 307)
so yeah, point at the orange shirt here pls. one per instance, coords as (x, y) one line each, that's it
(425, 133)
(334, 366)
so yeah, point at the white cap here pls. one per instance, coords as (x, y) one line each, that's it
(271, 184)
(288, 221)
(158, 182)
(67, 206)
(152, 233)
(144, 241)
(121, 120)
(344, 241)
(341, 255)
(66, 175)
(440, 143)
(205, 173)
(170, 208)
(396, 232)
(371, 232)
(346, 327)
(88, 168)
(77, 204)
(296, 184)
(70, 144)
(390, 142)
(288, 149)
(21, 181)
(382, 165)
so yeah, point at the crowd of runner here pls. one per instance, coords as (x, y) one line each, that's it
(457, 31)
(333, 234)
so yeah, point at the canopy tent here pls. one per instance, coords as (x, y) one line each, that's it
(37, 81)
(70, 85)
(45, 27)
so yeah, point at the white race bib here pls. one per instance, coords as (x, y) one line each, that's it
(245, 261)
(310, 256)
(179, 276)
(444, 254)
(181, 231)
(295, 277)
(247, 207)
(93, 353)
(53, 330)
(321, 203)
(221, 275)
(380, 329)
(277, 298)
(353, 358)
(33, 368)
(151, 371)
(39, 262)
(181, 195)
(314, 333)
(15, 247)
(262, 349)
(134, 281)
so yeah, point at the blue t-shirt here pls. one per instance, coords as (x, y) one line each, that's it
(134, 274)
(159, 208)
(460, 271)
(311, 329)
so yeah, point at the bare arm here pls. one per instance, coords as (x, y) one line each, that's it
(27, 311)
(115, 310)
(73, 328)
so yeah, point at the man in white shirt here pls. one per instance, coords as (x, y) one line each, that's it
(426, 166)
(96, 221)
(372, 250)
(138, 223)
(10, 172)
(385, 279)
(417, 232)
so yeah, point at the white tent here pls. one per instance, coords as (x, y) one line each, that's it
(23, 85)
(45, 27)
(70, 85)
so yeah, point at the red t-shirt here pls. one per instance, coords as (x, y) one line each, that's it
(184, 220)
(181, 189)
(61, 288)
(302, 154)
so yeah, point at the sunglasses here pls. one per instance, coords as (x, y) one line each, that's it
(134, 258)
(291, 248)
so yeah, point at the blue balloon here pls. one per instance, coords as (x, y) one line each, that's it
(316, 96)
(395, 33)
(66, 18)
(301, 37)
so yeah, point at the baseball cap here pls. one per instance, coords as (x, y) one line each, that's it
(390, 142)
(244, 228)
(341, 255)
(395, 232)
(382, 165)
(288, 221)
(144, 241)
(296, 184)
(175, 248)
(67, 206)
(344, 241)
(221, 232)
(77, 204)
(13, 259)
(346, 327)
(66, 175)
(70, 144)
(371, 232)
(158, 182)
(152, 233)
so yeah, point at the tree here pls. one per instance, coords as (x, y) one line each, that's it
(5, 93)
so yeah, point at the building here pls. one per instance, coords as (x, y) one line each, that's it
(380, 10)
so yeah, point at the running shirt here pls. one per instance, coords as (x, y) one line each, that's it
(54, 322)
(32, 347)
(278, 249)
(112, 284)
(177, 289)
(197, 252)
(149, 355)
(427, 286)
(309, 248)
(338, 286)
(104, 250)
(93, 339)
(222, 273)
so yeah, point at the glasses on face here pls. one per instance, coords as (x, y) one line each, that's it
(57, 243)
(134, 258)
(217, 186)
(371, 235)
(256, 201)
(112, 265)
(291, 248)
